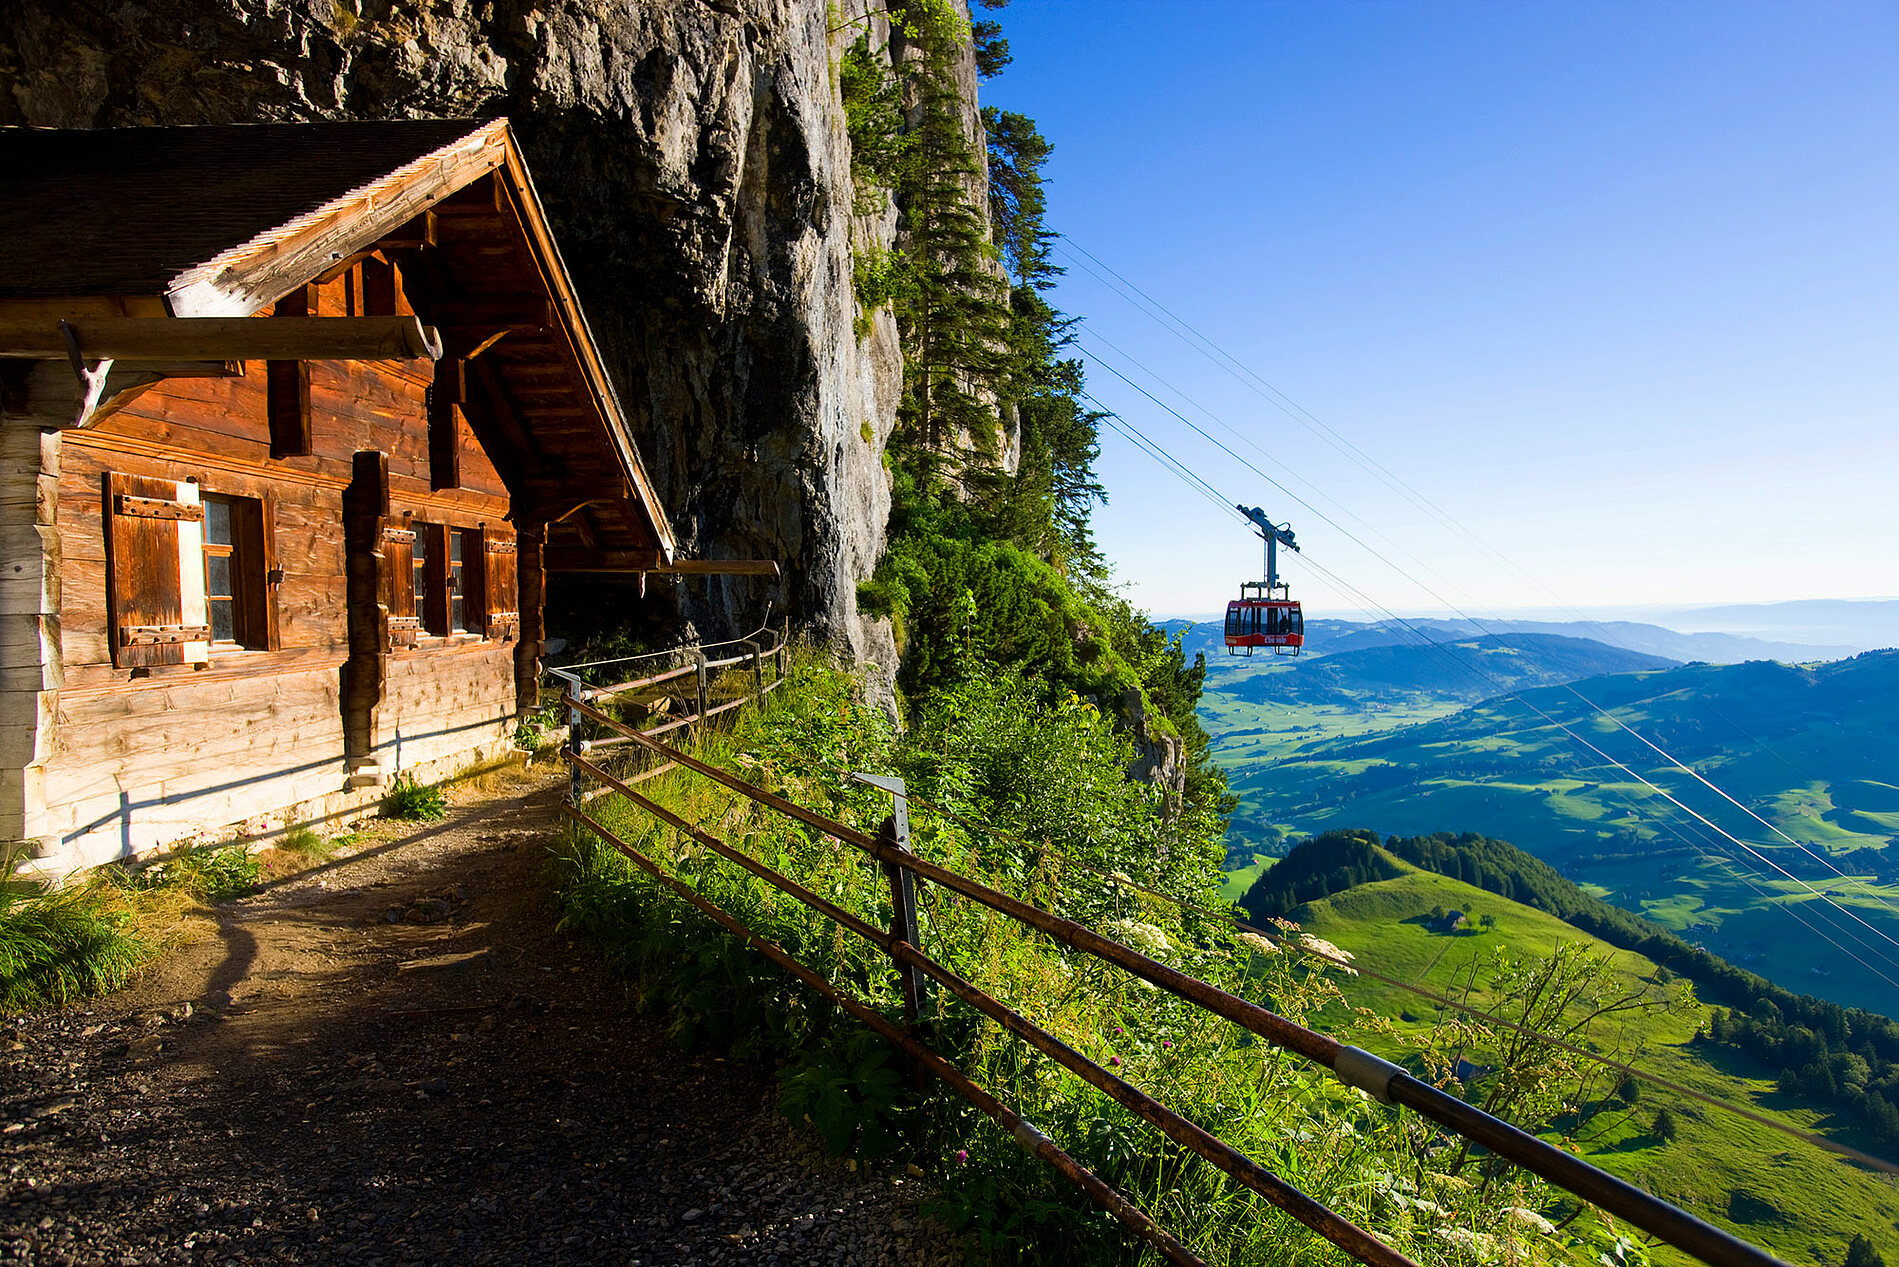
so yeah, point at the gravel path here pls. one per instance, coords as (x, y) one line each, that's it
(396, 1059)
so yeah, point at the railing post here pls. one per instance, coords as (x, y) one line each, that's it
(699, 657)
(895, 833)
(571, 689)
(758, 669)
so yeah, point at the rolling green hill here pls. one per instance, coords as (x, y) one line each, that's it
(1779, 1192)
(1467, 670)
(1813, 750)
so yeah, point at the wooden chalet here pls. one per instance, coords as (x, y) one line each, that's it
(291, 419)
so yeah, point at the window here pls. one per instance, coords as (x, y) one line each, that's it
(457, 580)
(187, 572)
(420, 571)
(454, 581)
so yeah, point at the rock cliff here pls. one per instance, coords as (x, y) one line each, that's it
(693, 157)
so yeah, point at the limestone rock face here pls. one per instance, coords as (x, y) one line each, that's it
(693, 158)
(1159, 757)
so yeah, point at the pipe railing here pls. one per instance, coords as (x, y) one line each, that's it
(1386, 1082)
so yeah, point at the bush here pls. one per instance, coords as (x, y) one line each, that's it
(211, 874)
(415, 802)
(1050, 772)
(57, 946)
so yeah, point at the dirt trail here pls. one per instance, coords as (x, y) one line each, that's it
(395, 1058)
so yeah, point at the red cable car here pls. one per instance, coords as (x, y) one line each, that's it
(1265, 614)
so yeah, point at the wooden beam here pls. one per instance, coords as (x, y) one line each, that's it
(567, 559)
(722, 567)
(223, 339)
(446, 394)
(554, 490)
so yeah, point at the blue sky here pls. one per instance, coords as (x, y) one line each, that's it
(1615, 287)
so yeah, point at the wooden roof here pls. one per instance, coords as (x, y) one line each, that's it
(224, 221)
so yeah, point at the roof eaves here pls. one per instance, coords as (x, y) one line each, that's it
(245, 278)
(586, 351)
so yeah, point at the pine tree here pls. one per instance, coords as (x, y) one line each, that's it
(955, 319)
(1860, 1253)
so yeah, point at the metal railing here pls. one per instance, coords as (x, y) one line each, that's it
(1386, 1082)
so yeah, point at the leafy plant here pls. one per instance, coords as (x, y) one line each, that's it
(60, 945)
(414, 801)
(850, 1092)
(211, 874)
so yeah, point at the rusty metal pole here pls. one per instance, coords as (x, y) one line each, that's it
(571, 689)
(699, 658)
(903, 893)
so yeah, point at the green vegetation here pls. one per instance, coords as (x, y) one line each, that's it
(211, 874)
(987, 567)
(1779, 1192)
(1050, 776)
(414, 801)
(1835, 1057)
(1809, 748)
(59, 945)
(65, 944)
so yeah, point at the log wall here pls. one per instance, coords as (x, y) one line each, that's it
(141, 758)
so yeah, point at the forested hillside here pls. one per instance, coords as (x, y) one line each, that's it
(1428, 929)
(1843, 1059)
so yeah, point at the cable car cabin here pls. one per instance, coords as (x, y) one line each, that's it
(1264, 622)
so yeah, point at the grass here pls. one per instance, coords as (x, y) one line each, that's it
(1822, 1201)
(60, 945)
(411, 801)
(1372, 1164)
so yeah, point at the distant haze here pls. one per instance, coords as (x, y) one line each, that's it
(1813, 629)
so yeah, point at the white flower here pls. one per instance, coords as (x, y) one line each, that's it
(1530, 1219)
(1257, 944)
(1476, 1244)
(1326, 950)
(1146, 938)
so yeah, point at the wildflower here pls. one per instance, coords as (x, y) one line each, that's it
(960, 1156)
(1257, 944)
(1283, 925)
(1167, 1042)
(1114, 1062)
(1123, 877)
(1117, 1031)
(1146, 938)
(1475, 1244)
(1325, 949)
(1529, 1219)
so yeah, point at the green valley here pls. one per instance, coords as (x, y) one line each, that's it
(1777, 1191)
(1811, 750)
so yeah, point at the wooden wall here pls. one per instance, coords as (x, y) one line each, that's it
(145, 758)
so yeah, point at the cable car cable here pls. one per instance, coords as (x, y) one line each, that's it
(1095, 358)
(1233, 366)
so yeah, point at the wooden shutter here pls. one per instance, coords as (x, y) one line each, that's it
(435, 619)
(499, 604)
(398, 582)
(145, 596)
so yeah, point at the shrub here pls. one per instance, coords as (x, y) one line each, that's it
(57, 946)
(415, 802)
(1344, 1149)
